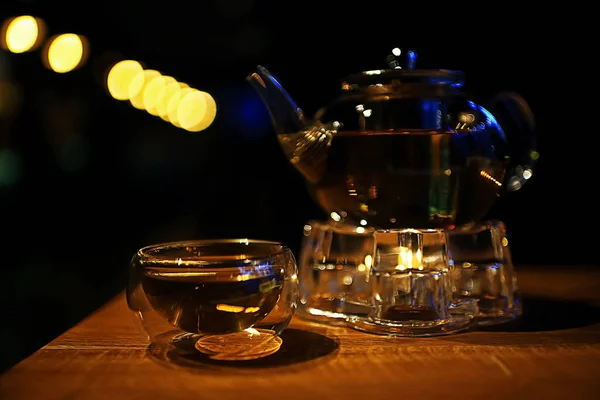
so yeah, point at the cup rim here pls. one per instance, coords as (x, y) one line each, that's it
(153, 252)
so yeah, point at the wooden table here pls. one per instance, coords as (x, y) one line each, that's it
(104, 357)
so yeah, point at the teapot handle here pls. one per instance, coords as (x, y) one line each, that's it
(518, 124)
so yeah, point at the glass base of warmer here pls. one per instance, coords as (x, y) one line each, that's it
(339, 287)
(411, 329)
(484, 271)
(333, 312)
(416, 321)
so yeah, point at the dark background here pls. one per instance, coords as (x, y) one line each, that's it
(85, 180)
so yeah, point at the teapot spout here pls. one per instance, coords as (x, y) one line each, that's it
(286, 116)
(305, 144)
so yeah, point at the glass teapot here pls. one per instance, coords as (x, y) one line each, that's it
(404, 147)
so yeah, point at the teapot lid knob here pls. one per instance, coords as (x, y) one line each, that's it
(393, 60)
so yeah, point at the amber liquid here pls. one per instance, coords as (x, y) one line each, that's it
(417, 179)
(212, 301)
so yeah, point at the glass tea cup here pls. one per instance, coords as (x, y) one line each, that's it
(228, 299)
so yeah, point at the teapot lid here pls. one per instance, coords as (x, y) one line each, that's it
(395, 75)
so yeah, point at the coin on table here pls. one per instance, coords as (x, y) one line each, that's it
(263, 350)
(255, 341)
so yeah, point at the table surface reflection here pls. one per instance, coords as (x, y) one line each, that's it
(552, 352)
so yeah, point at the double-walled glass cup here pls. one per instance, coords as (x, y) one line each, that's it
(228, 299)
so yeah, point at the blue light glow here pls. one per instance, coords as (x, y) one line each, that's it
(247, 115)
(491, 122)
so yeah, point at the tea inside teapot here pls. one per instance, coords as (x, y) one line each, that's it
(420, 178)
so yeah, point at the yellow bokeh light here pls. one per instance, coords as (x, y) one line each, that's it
(21, 34)
(196, 111)
(152, 91)
(143, 79)
(120, 80)
(173, 106)
(164, 97)
(65, 53)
